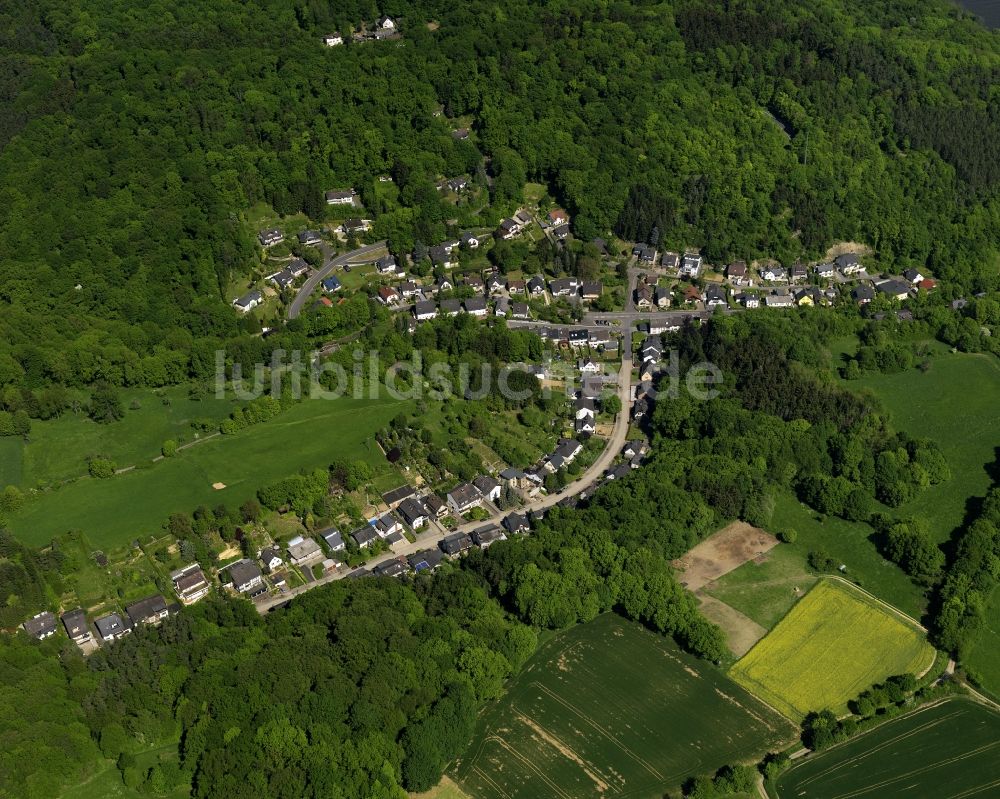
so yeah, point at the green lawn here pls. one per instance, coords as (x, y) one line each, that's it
(764, 591)
(955, 404)
(135, 504)
(59, 448)
(11, 459)
(946, 751)
(609, 709)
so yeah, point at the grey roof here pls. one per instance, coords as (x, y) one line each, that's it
(269, 554)
(847, 259)
(487, 535)
(455, 543)
(42, 625)
(391, 568)
(398, 494)
(424, 307)
(568, 447)
(464, 494)
(334, 539)
(451, 306)
(485, 484)
(510, 473)
(308, 235)
(112, 625)
(364, 535)
(249, 297)
(516, 522)
(475, 304)
(411, 510)
(863, 293)
(426, 559)
(894, 287)
(244, 572)
(145, 608)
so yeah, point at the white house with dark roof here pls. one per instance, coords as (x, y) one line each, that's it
(340, 197)
(464, 497)
(42, 625)
(246, 577)
(248, 301)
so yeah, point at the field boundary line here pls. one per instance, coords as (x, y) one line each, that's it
(872, 596)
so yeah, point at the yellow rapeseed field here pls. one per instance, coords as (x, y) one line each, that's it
(831, 646)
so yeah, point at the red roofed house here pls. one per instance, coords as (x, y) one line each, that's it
(927, 284)
(558, 217)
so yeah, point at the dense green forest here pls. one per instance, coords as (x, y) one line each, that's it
(134, 141)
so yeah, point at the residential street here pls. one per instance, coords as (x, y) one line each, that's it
(429, 538)
(370, 252)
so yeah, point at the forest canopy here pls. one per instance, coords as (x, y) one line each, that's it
(133, 142)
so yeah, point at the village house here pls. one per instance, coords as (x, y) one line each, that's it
(913, 276)
(309, 238)
(651, 350)
(515, 523)
(408, 289)
(848, 263)
(564, 286)
(644, 253)
(425, 560)
(248, 301)
(737, 272)
(333, 40)
(749, 301)
(364, 536)
(469, 241)
(42, 625)
(897, 289)
(495, 284)
(487, 535)
(461, 134)
(303, 550)
(475, 306)
(661, 297)
(464, 497)
(340, 197)
(413, 512)
(441, 256)
(331, 284)
(825, 271)
(774, 274)
(508, 229)
(520, 310)
(591, 290)
(578, 338)
(670, 260)
(385, 525)
(190, 584)
(443, 284)
(779, 299)
(536, 286)
(451, 307)
(691, 294)
(863, 295)
(798, 272)
(75, 624)
(387, 295)
(488, 487)
(557, 216)
(151, 610)
(112, 627)
(561, 232)
(643, 296)
(334, 540)
(588, 366)
(714, 296)
(690, 265)
(386, 265)
(392, 568)
(435, 505)
(474, 282)
(271, 559)
(246, 578)
(424, 310)
(515, 286)
(455, 544)
(397, 495)
(269, 238)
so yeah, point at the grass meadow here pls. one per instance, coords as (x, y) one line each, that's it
(609, 709)
(137, 503)
(831, 646)
(949, 751)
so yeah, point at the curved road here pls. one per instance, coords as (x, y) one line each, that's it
(370, 252)
(429, 539)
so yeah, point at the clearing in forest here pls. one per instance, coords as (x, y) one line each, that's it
(832, 645)
(610, 709)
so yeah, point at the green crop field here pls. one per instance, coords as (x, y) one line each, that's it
(924, 406)
(946, 751)
(136, 504)
(609, 709)
(832, 645)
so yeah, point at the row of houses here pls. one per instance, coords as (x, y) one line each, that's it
(513, 226)
(150, 610)
(687, 265)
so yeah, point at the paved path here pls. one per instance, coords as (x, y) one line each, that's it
(370, 252)
(430, 538)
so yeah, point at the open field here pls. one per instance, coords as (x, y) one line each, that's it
(59, 448)
(764, 589)
(924, 406)
(946, 751)
(136, 504)
(832, 645)
(446, 789)
(609, 709)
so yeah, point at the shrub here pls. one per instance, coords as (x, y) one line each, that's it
(169, 448)
(102, 468)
